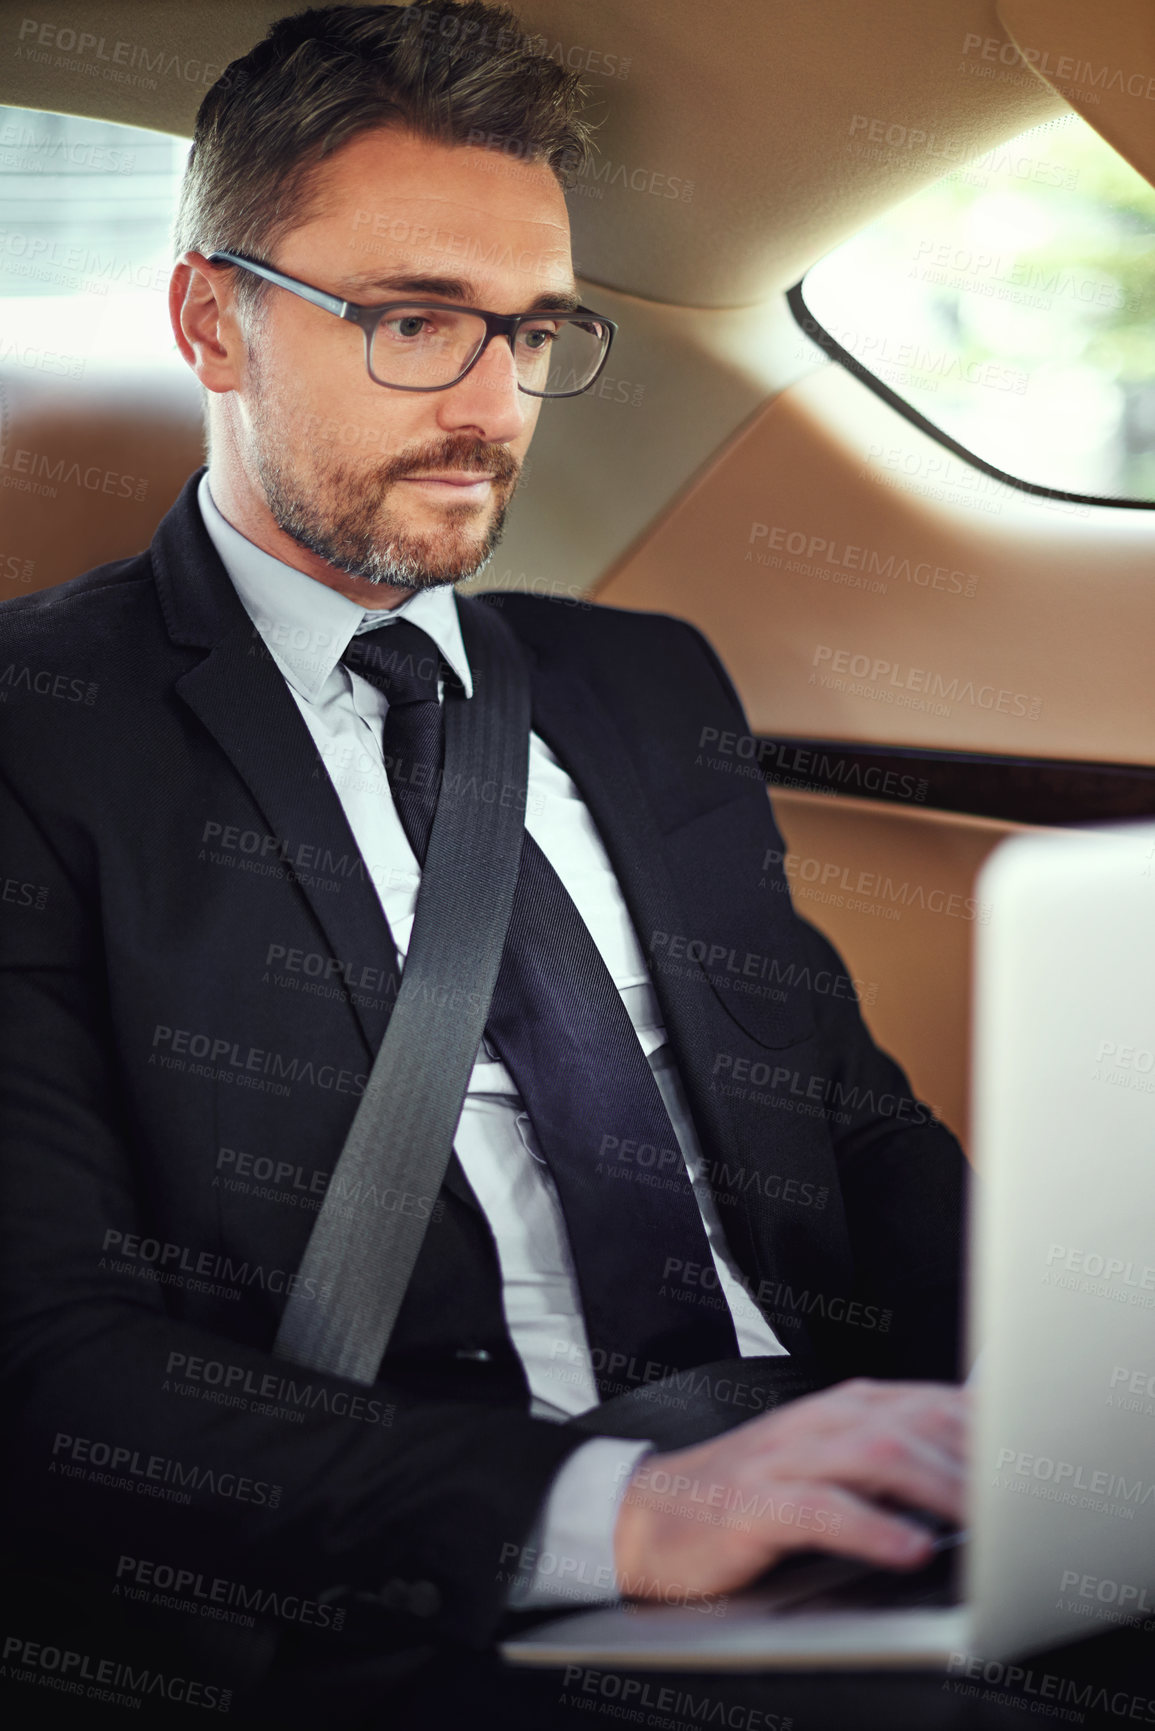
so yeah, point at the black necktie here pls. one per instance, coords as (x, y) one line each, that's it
(402, 661)
(650, 1297)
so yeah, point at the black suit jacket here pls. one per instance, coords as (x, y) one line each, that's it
(196, 975)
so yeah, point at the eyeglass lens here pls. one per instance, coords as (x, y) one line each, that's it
(428, 346)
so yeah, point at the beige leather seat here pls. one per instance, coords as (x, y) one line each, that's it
(88, 467)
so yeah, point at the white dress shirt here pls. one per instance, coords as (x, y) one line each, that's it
(307, 626)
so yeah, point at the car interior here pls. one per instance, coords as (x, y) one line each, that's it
(879, 419)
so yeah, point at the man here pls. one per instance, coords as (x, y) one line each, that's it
(216, 856)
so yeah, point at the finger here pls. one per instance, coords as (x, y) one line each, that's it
(941, 1420)
(805, 1515)
(939, 1405)
(930, 1408)
(884, 1463)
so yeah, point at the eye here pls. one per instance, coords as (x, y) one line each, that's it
(538, 338)
(405, 325)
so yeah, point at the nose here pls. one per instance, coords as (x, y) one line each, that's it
(487, 400)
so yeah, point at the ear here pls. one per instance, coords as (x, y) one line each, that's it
(204, 322)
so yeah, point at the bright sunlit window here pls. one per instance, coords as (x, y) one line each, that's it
(1012, 304)
(86, 213)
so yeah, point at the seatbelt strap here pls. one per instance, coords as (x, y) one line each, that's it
(357, 1264)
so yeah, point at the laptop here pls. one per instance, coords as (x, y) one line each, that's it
(1061, 1317)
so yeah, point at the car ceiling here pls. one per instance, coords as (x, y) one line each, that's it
(748, 100)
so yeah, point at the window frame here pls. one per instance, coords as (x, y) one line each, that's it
(819, 335)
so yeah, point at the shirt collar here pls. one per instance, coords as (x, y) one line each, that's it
(306, 625)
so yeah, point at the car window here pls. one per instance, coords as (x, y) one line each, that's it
(1012, 304)
(86, 211)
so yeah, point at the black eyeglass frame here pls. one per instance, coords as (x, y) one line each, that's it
(369, 317)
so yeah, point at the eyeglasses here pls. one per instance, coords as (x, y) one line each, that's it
(415, 345)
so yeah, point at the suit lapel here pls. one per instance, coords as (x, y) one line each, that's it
(240, 695)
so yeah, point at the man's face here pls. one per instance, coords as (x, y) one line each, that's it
(397, 487)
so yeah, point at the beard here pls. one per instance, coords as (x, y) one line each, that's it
(339, 512)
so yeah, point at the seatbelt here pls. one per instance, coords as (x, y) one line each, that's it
(401, 1136)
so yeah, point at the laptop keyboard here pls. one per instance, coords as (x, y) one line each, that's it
(820, 1583)
(938, 1584)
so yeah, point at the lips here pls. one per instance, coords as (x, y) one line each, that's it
(453, 480)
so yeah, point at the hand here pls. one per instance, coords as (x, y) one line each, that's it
(809, 1476)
